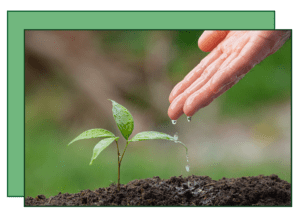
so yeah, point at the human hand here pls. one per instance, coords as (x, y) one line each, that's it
(234, 53)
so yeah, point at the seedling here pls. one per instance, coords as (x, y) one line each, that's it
(125, 124)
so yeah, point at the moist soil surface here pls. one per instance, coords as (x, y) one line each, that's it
(177, 191)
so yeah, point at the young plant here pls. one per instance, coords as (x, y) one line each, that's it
(125, 124)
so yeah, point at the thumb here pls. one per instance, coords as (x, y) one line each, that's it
(210, 39)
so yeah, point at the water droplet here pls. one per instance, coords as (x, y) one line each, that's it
(176, 136)
(189, 118)
(187, 167)
(174, 122)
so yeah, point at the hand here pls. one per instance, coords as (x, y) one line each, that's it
(234, 53)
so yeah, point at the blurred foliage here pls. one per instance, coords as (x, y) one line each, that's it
(188, 54)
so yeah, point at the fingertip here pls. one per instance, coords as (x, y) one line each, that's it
(196, 101)
(174, 115)
(176, 108)
(202, 44)
(210, 39)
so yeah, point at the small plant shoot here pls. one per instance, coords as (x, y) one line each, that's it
(125, 124)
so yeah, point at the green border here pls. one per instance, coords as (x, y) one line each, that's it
(18, 21)
(147, 20)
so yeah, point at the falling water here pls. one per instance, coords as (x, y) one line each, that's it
(187, 167)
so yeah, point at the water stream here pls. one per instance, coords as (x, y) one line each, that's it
(187, 167)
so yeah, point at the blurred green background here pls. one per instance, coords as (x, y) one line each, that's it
(69, 75)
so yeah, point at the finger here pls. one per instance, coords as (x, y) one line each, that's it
(210, 39)
(194, 74)
(197, 100)
(176, 108)
(204, 97)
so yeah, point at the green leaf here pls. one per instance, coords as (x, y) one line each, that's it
(143, 136)
(93, 133)
(101, 146)
(123, 119)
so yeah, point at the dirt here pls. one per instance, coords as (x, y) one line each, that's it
(177, 191)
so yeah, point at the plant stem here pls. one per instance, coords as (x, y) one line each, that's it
(119, 167)
(124, 151)
(119, 164)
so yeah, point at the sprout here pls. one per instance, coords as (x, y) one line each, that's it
(125, 124)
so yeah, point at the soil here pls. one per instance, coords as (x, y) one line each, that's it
(177, 191)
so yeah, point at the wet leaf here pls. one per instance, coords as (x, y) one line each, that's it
(142, 136)
(101, 146)
(151, 135)
(123, 119)
(93, 133)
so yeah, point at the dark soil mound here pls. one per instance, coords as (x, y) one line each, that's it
(178, 191)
